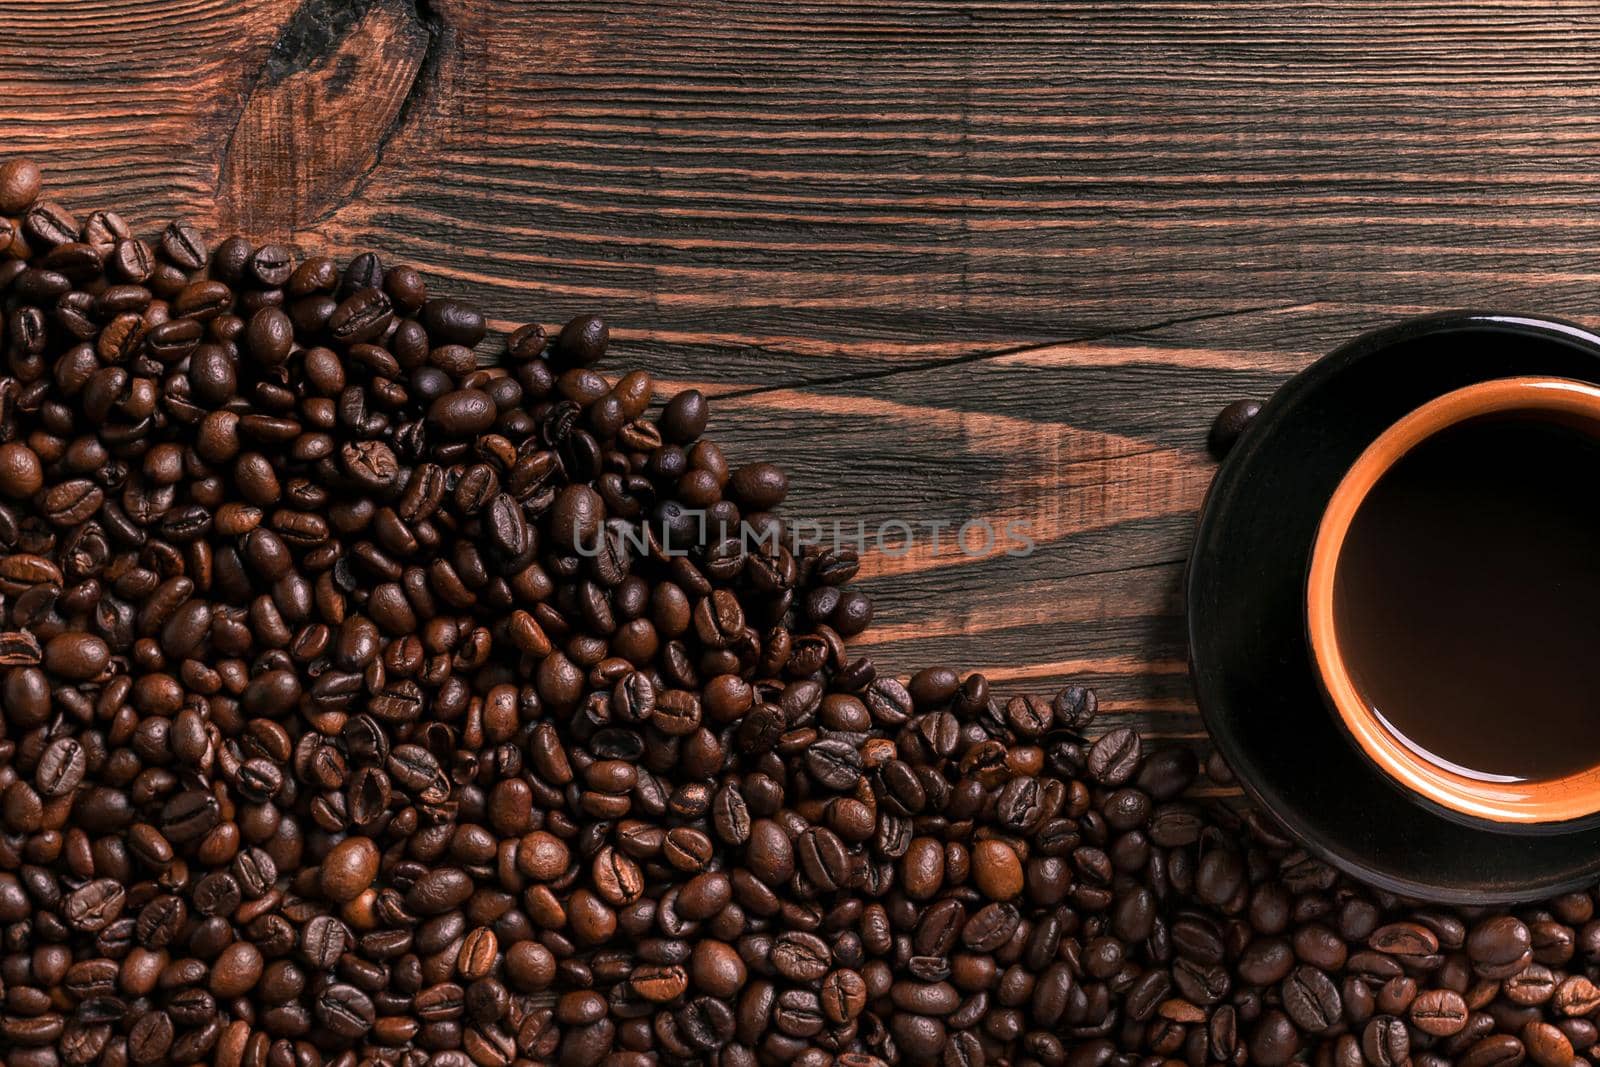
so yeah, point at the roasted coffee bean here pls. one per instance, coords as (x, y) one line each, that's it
(1534, 984)
(150, 1038)
(1230, 424)
(834, 764)
(1311, 1000)
(843, 996)
(50, 224)
(255, 871)
(452, 321)
(1546, 1045)
(582, 341)
(658, 984)
(75, 657)
(20, 182)
(1493, 1051)
(160, 921)
(1115, 757)
(1385, 1042)
(349, 869)
(323, 939)
(183, 244)
(237, 970)
(462, 413)
(21, 472)
(1439, 1012)
(1406, 940)
(362, 316)
(61, 767)
(1576, 995)
(997, 870)
(801, 957)
(95, 906)
(617, 878)
(1499, 947)
(346, 1011)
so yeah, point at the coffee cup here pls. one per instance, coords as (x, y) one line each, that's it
(1473, 502)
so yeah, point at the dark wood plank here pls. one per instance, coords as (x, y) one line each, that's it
(831, 185)
(1097, 450)
(986, 260)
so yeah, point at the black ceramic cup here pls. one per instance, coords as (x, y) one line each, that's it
(1256, 679)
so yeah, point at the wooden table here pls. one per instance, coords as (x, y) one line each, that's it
(950, 261)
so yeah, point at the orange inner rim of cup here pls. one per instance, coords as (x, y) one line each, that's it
(1536, 801)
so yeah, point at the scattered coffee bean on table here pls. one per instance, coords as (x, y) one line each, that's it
(367, 703)
(1230, 424)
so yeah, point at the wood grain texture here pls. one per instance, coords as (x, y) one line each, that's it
(956, 261)
(316, 121)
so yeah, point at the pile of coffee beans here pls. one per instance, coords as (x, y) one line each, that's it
(375, 692)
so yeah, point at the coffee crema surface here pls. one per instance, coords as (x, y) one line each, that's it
(1466, 598)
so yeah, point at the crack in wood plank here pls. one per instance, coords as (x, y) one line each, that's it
(1016, 350)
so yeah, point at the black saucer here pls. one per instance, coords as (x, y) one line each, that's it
(1252, 670)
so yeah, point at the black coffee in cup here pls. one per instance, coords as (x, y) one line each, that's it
(1467, 597)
